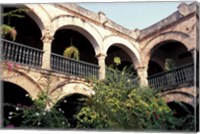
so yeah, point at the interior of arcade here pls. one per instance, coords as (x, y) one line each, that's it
(172, 51)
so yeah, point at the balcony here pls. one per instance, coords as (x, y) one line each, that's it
(32, 57)
(69, 66)
(21, 54)
(181, 76)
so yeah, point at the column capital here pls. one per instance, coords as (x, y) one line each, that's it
(141, 67)
(47, 37)
(101, 55)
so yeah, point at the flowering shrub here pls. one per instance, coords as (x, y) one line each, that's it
(36, 115)
(120, 105)
(8, 66)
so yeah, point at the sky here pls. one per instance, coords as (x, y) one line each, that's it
(133, 15)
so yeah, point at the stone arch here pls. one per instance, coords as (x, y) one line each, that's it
(23, 81)
(68, 88)
(37, 14)
(186, 95)
(128, 47)
(80, 26)
(150, 47)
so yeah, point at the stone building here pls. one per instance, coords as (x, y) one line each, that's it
(161, 55)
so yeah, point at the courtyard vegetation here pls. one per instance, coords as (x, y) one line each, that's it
(117, 105)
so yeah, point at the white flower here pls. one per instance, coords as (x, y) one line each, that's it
(27, 95)
(38, 123)
(65, 101)
(63, 122)
(63, 112)
(60, 109)
(44, 113)
(37, 114)
(17, 108)
(9, 117)
(10, 113)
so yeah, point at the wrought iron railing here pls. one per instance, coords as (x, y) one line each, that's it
(173, 78)
(73, 67)
(21, 54)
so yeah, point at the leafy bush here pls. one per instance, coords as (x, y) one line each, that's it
(36, 115)
(120, 105)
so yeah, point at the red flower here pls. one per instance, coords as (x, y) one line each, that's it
(157, 117)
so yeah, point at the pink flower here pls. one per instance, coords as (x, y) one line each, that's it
(10, 126)
(9, 65)
(19, 105)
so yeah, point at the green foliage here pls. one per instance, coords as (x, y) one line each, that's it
(15, 13)
(8, 30)
(120, 105)
(37, 115)
(71, 52)
(117, 105)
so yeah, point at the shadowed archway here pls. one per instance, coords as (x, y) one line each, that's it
(70, 105)
(17, 97)
(67, 37)
(28, 32)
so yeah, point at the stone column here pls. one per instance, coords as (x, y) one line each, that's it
(194, 53)
(47, 40)
(102, 69)
(142, 74)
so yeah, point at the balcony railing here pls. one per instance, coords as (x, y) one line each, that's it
(173, 78)
(21, 54)
(73, 67)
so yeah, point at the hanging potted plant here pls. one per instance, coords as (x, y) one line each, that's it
(72, 52)
(117, 60)
(8, 30)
